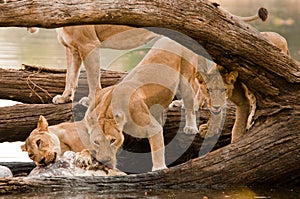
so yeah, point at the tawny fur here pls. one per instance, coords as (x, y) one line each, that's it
(46, 144)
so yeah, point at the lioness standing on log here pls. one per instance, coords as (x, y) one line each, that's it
(136, 105)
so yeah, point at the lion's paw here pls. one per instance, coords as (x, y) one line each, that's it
(190, 130)
(59, 99)
(159, 168)
(176, 103)
(203, 129)
(85, 101)
(84, 159)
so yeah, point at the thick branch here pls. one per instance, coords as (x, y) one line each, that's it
(40, 85)
(18, 121)
(271, 75)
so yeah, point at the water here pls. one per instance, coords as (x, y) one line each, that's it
(17, 46)
(234, 193)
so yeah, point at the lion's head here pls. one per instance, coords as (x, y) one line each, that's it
(217, 86)
(105, 130)
(42, 147)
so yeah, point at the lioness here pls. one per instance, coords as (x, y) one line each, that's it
(82, 46)
(136, 105)
(235, 91)
(46, 144)
(212, 87)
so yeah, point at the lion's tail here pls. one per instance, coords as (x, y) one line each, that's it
(33, 30)
(262, 14)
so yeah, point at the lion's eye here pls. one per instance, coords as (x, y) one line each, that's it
(112, 141)
(96, 142)
(223, 90)
(38, 142)
(30, 155)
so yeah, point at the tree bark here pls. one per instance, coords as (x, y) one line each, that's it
(16, 122)
(251, 161)
(269, 153)
(40, 85)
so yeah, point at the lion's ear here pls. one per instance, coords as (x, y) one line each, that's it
(42, 124)
(23, 147)
(231, 77)
(120, 118)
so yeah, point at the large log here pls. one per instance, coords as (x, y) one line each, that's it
(248, 162)
(269, 153)
(40, 85)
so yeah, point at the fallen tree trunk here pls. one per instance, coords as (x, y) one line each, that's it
(40, 85)
(16, 122)
(269, 153)
(248, 162)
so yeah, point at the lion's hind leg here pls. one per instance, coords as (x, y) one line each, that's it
(73, 67)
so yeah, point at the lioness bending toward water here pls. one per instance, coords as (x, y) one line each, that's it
(46, 144)
(136, 105)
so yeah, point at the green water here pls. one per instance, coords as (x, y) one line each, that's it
(235, 193)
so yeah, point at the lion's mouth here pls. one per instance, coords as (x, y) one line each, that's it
(109, 166)
(216, 112)
(54, 158)
(42, 163)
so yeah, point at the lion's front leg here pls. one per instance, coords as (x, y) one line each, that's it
(190, 124)
(157, 151)
(73, 67)
(92, 65)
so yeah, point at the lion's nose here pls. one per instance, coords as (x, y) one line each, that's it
(105, 160)
(216, 108)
